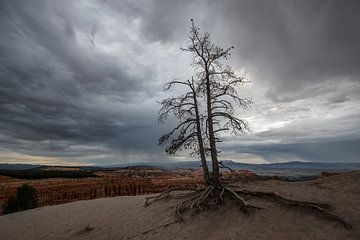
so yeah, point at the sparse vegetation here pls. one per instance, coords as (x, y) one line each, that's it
(26, 198)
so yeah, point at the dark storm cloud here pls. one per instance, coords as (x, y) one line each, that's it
(293, 44)
(56, 92)
(304, 53)
(80, 80)
(168, 20)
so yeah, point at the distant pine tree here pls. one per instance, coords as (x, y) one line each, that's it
(26, 198)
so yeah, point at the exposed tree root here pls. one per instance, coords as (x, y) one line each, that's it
(212, 197)
(166, 194)
(208, 197)
(321, 208)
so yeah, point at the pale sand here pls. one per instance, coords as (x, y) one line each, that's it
(126, 218)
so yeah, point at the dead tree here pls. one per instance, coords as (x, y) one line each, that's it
(188, 133)
(219, 83)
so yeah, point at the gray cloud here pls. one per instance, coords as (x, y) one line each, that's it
(55, 87)
(329, 151)
(79, 81)
(293, 44)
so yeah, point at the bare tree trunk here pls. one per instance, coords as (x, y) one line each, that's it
(201, 143)
(215, 164)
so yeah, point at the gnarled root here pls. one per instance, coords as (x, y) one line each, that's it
(208, 197)
(166, 194)
(321, 208)
(213, 197)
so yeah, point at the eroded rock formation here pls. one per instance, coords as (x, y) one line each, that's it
(108, 184)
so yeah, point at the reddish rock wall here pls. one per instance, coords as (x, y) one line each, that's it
(108, 184)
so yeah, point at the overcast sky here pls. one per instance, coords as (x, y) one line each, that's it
(80, 80)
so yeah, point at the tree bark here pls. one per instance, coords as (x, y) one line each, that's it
(215, 164)
(201, 143)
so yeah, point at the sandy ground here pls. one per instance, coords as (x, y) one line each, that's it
(126, 217)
